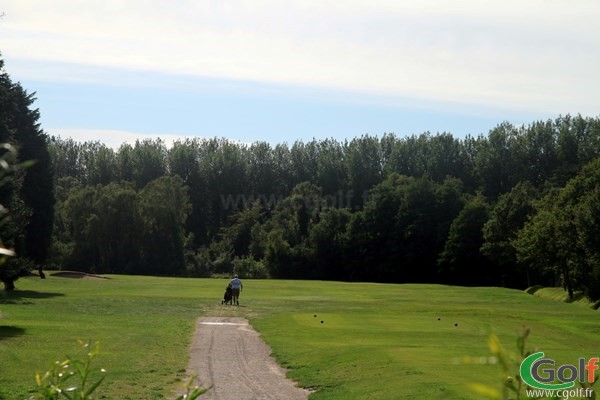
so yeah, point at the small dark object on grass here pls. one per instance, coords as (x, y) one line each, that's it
(321, 321)
(455, 324)
(315, 315)
(439, 319)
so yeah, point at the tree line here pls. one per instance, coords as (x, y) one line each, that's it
(422, 208)
(516, 207)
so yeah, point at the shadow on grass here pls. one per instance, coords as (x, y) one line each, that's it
(25, 296)
(7, 332)
(533, 289)
(576, 296)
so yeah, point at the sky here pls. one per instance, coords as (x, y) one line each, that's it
(280, 71)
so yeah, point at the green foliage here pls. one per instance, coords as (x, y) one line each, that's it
(33, 186)
(147, 161)
(151, 233)
(236, 237)
(329, 242)
(278, 254)
(512, 386)
(405, 224)
(293, 187)
(331, 172)
(199, 264)
(7, 154)
(249, 268)
(364, 165)
(13, 265)
(507, 218)
(224, 167)
(562, 237)
(499, 161)
(88, 217)
(262, 168)
(303, 160)
(461, 260)
(283, 239)
(183, 160)
(192, 391)
(71, 379)
(163, 208)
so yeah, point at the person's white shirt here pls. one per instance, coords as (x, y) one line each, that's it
(236, 283)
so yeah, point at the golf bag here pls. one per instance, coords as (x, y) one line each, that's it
(227, 296)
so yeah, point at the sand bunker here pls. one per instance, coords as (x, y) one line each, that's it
(77, 275)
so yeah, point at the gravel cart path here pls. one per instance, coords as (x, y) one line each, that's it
(229, 356)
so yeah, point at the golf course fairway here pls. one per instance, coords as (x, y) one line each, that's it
(342, 340)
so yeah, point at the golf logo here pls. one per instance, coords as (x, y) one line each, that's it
(539, 372)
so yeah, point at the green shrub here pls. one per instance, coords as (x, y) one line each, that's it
(249, 268)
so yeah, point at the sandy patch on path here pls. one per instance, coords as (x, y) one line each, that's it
(229, 356)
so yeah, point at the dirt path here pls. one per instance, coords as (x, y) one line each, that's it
(228, 355)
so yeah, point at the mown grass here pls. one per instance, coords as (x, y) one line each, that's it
(143, 325)
(376, 341)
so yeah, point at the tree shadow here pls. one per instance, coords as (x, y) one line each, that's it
(25, 296)
(533, 289)
(7, 332)
(576, 296)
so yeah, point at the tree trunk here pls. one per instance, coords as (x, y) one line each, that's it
(568, 285)
(9, 285)
(41, 272)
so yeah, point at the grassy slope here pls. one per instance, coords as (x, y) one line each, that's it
(559, 294)
(377, 341)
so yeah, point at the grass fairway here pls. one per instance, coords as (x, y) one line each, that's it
(376, 341)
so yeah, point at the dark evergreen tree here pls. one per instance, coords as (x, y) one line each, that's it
(19, 126)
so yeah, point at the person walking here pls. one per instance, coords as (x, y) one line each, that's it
(236, 289)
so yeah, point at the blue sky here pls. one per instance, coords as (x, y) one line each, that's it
(278, 71)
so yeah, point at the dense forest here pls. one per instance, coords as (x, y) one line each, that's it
(517, 207)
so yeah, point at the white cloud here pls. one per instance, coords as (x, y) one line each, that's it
(115, 138)
(539, 55)
(111, 138)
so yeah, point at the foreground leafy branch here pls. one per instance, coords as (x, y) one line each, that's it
(69, 379)
(512, 385)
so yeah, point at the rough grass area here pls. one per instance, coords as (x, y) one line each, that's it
(376, 341)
